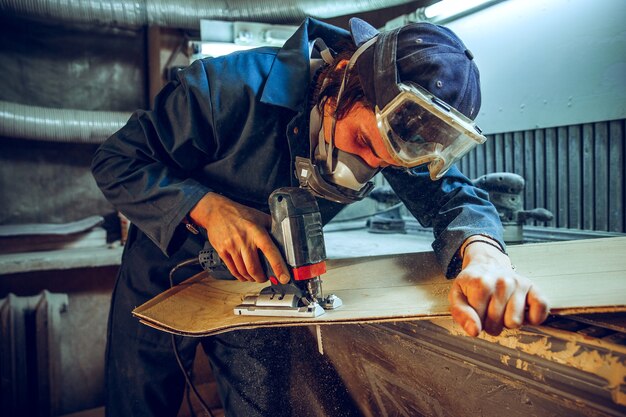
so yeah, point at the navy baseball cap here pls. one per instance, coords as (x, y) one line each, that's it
(430, 55)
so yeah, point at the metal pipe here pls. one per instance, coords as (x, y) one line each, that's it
(58, 125)
(186, 14)
(62, 125)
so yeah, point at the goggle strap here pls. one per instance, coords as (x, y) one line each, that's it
(360, 51)
(324, 51)
(346, 71)
(315, 123)
(317, 140)
(385, 68)
(322, 144)
(331, 146)
(350, 65)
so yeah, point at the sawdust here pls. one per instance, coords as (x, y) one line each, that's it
(505, 359)
(438, 291)
(595, 357)
(522, 365)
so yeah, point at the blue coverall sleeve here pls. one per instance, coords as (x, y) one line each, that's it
(453, 207)
(146, 169)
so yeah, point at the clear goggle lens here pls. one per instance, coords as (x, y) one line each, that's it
(418, 128)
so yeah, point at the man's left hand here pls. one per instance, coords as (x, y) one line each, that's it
(488, 294)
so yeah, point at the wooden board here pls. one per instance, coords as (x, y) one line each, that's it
(576, 276)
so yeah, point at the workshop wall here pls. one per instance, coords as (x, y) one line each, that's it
(577, 172)
(548, 63)
(53, 66)
(553, 75)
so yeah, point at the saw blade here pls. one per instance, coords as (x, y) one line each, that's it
(274, 306)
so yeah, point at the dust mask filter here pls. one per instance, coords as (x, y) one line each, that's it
(331, 173)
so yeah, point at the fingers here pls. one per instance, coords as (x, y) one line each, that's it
(242, 259)
(538, 307)
(463, 313)
(253, 266)
(494, 321)
(494, 302)
(478, 295)
(244, 264)
(275, 259)
(515, 309)
(235, 232)
(230, 264)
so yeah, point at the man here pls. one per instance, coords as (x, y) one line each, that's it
(233, 129)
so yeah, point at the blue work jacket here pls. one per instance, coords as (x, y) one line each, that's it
(234, 125)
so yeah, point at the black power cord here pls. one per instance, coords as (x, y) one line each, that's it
(190, 384)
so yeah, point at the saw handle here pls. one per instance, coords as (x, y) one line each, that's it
(213, 264)
(297, 233)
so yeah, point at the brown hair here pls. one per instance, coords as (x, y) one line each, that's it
(329, 83)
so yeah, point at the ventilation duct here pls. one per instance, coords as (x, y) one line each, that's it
(62, 125)
(58, 125)
(186, 14)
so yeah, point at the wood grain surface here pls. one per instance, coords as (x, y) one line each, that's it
(582, 276)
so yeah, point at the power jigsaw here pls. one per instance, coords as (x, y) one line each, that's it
(297, 232)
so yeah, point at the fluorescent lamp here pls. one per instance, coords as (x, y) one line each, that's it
(214, 49)
(446, 10)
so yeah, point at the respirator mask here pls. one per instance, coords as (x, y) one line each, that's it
(329, 172)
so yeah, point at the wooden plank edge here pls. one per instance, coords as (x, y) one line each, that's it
(220, 330)
(249, 326)
(588, 310)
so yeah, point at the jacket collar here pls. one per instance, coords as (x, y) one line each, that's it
(288, 81)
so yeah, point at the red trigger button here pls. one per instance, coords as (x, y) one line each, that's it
(273, 280)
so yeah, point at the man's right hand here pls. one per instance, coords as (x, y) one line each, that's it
(238, 233)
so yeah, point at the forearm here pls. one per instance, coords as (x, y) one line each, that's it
(453, 207)
(154, 196)
(210, 204)
(146, 168)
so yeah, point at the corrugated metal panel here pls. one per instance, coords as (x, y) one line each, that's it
(617, 174)
(578, 172)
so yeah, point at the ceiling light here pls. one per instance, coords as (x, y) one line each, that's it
(447, 10)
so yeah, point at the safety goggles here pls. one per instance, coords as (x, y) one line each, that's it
(418, 128)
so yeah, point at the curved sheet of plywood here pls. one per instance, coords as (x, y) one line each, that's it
(580, 276)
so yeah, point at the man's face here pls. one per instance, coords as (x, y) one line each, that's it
(357, 133)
